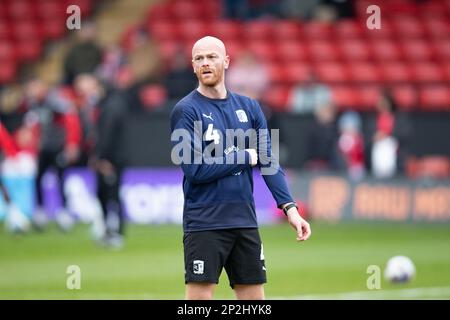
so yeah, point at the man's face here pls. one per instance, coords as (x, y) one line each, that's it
(209, 63)
(36, 90)
(86, 86)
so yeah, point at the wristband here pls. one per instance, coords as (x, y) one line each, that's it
(289, 206)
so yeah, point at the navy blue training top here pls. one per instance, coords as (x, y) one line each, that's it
(220, 196)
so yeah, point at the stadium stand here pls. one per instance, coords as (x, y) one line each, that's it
(410, 50)
(25, 27)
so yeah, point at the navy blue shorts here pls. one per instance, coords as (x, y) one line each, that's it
(239, 251)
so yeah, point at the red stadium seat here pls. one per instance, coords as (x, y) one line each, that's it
(297, 72)
(437, 28)
(442, 49)
(5, 31)
(20, 10)
(434, 9)
(235, 49)
(427, 72)
(345, 97)
(27, 30)
(348, 29)
(363, 72)
(227, 30)
(28, 50)
(6, 51)
(159, 12)
(393, 72)
(286, 30)
(53, 28)
(191, 30)
(153, 96)
(320, 50)
(258, 30)
(7, 71)
(277, 73)
(262, 50)
(168, 49)
(316, 30)
(445, 67)
(331, 72)
(385, 50)
(211, 9)
(291, 51)
(417, 50)
(401, 7)
(408, 27)
(405, 96)
(49, 9)
(362, 98)
(185, 9)
(369, 96)
(354, 50)
(277, 97)
(3, 15)
(435, 97)
(164, 30)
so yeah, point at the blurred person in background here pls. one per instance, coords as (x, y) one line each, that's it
(251, 9)
(248, 76)
(179, 80)
(391, 130)
(318, 10)
(309, 96)
(102, 111)
(351, 144)
(299, 9)
(18, 164)
(53, 113)
(85, 55)
(143, 58)
(114, 59)
(322, 140)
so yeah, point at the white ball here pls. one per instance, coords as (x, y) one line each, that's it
(399, 269)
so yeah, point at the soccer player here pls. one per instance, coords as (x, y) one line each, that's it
(53, 112)
(219, 219)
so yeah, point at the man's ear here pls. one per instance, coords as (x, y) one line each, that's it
(227, 62)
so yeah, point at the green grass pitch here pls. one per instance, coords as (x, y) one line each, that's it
(331, 265)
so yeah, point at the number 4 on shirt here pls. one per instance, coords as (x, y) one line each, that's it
(212, 134)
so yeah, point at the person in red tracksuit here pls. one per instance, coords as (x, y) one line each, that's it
(58, 129)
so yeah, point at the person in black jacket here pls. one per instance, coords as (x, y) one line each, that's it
(102, 112)
(85, 55)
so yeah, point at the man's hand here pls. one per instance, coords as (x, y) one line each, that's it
(71, 154)
(253, 156)
(105, 167)
(299, 224)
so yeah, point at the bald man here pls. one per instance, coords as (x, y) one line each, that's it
(219, 218)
